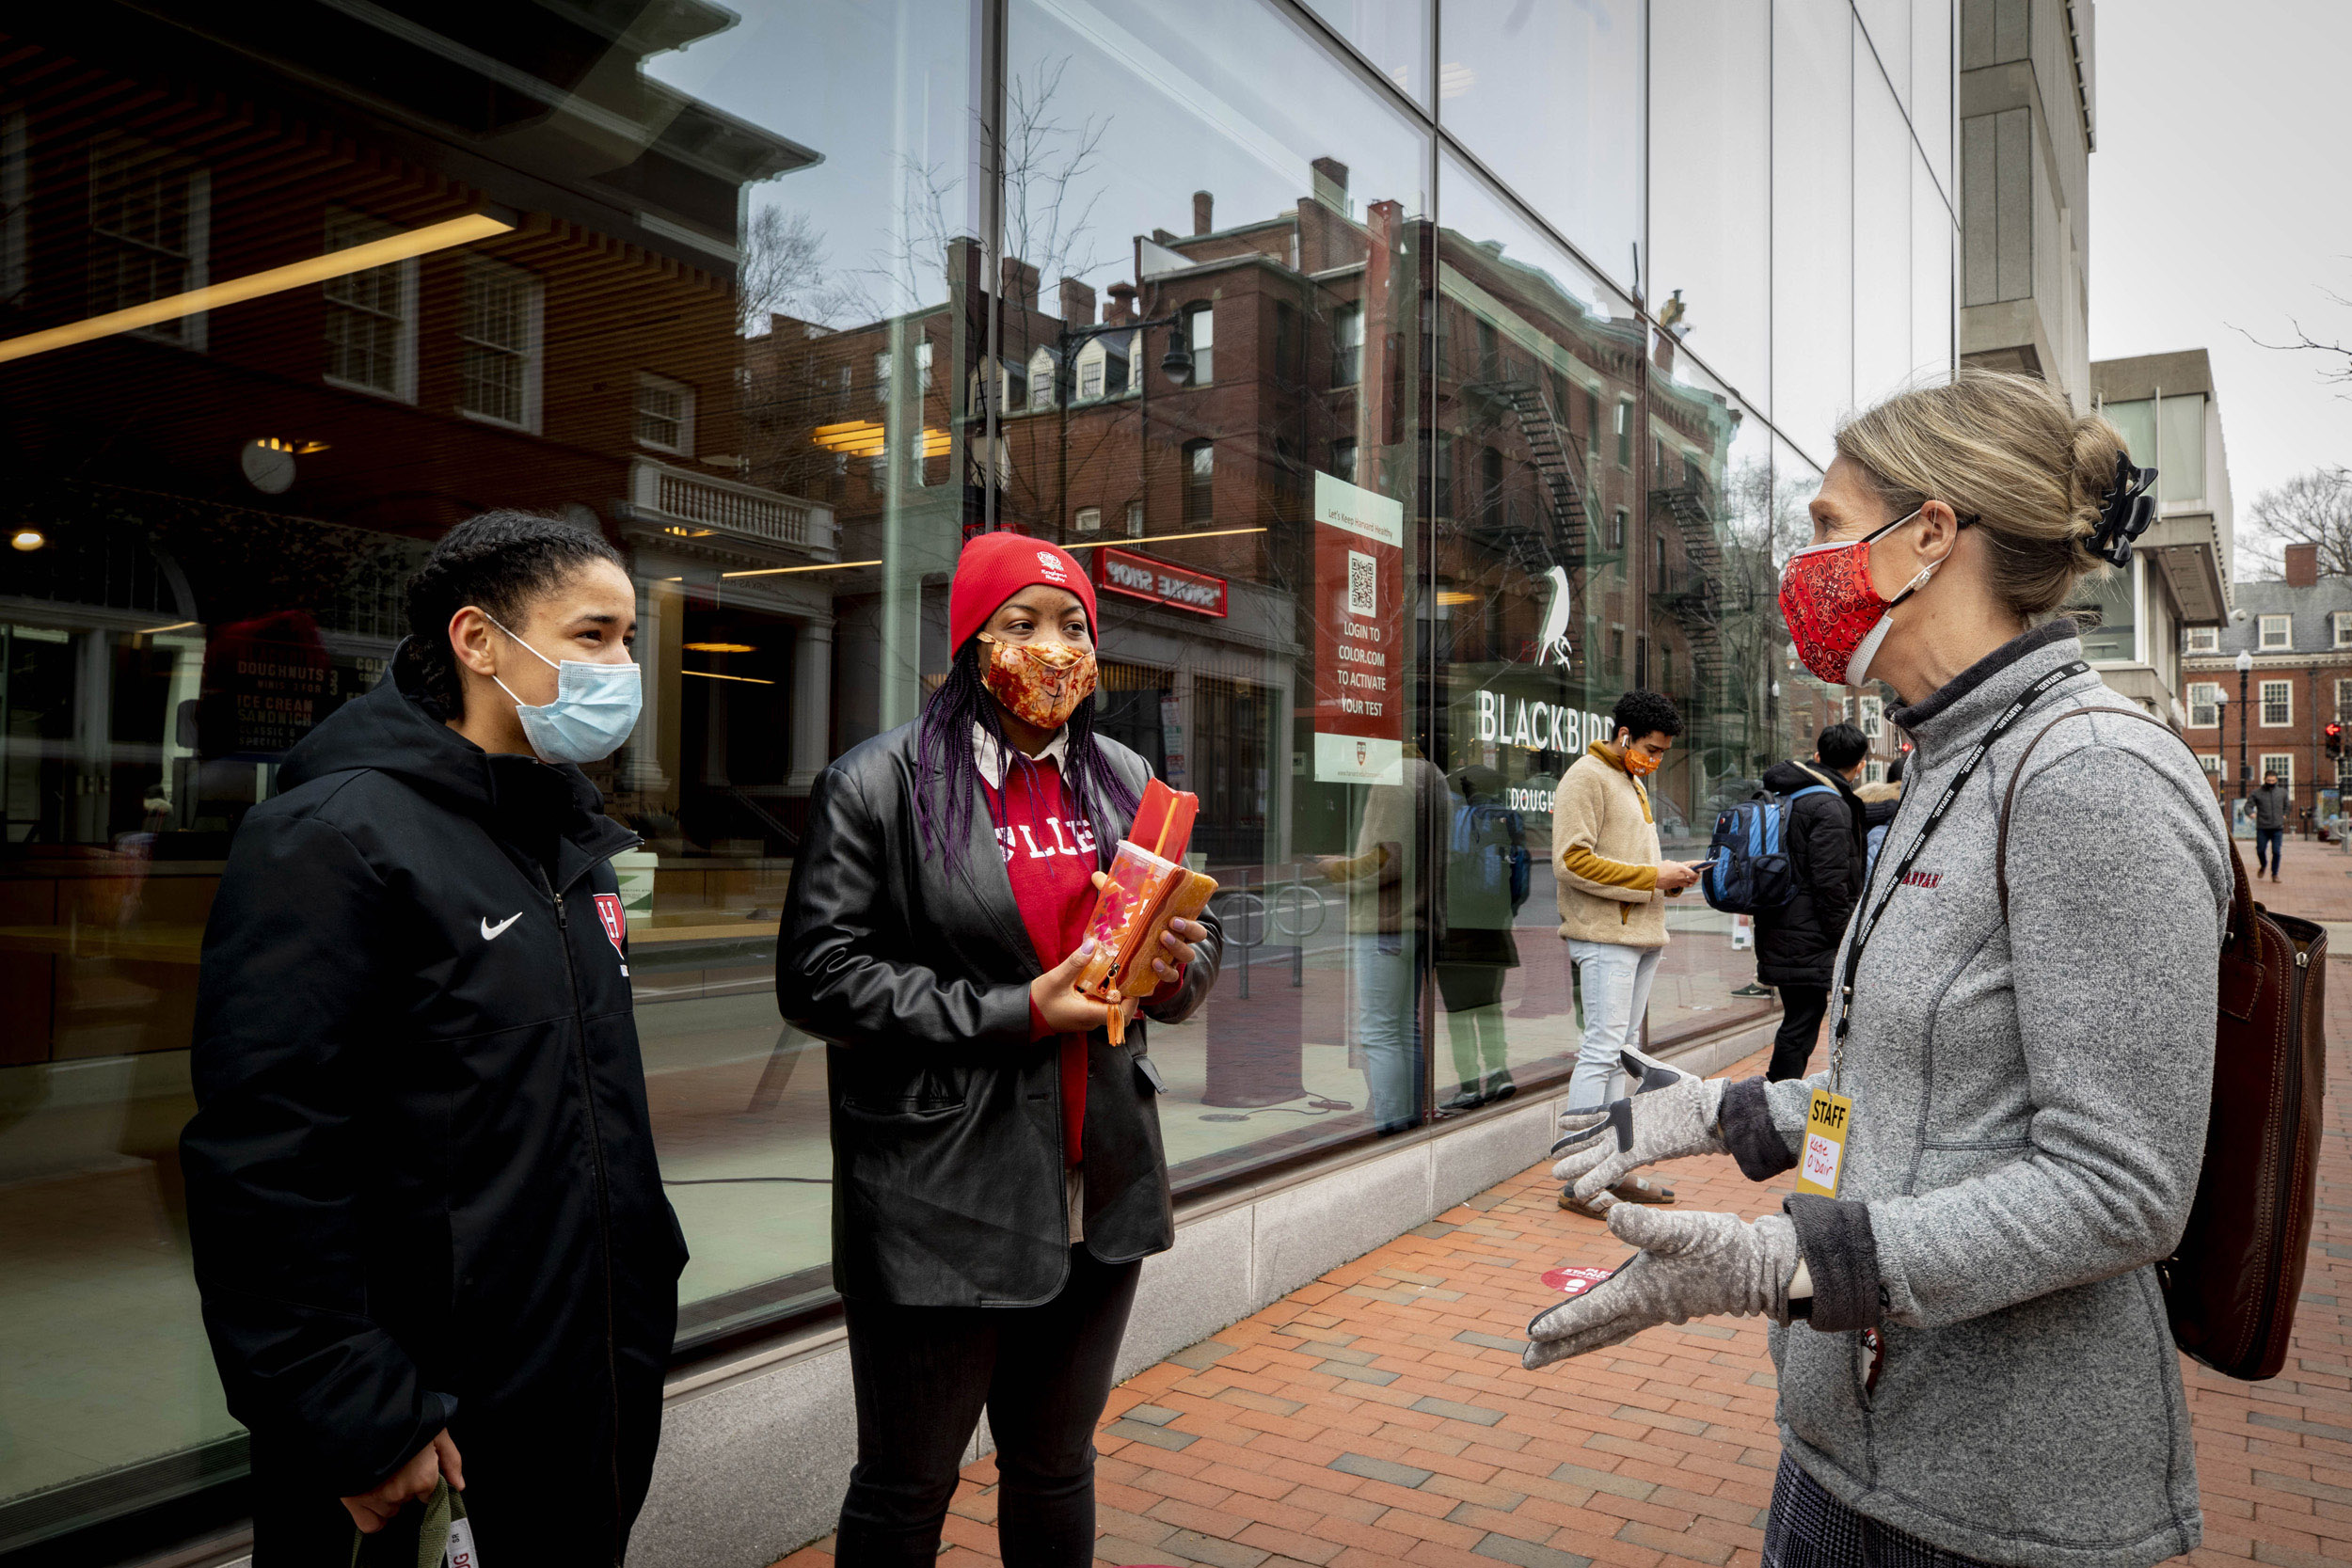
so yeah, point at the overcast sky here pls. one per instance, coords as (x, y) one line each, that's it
(2219, 207)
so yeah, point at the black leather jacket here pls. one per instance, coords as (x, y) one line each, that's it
(947, 1169)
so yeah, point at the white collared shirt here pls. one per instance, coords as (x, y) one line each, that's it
(993, 761)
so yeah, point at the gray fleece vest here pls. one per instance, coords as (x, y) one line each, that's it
(2030, 1104)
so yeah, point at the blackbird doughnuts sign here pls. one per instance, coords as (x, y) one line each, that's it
(1360, 633)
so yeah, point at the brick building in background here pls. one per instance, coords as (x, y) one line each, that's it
(2298, 637)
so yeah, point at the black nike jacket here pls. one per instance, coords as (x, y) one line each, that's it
(948, 1168)
(421, 1177)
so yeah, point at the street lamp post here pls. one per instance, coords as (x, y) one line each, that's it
(2244, 668)
(1177, 365)
(2221, 723)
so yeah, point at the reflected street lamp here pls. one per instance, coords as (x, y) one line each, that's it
(2244, 668)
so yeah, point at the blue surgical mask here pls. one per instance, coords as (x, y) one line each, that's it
(594, 709)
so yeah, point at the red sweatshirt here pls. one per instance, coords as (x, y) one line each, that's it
(1050, 858)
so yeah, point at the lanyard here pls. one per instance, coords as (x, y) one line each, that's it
(1870, 922)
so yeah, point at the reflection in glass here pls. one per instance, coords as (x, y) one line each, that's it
(1711, 184)
(1550, 97)
(1931, 101)
(1245, 653)
(1813, 215)
(1884, 356)
(1933, 236)
(1392, 33)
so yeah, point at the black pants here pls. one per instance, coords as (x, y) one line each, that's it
(2269, 842)
(922, 1375)
(1802, 1008)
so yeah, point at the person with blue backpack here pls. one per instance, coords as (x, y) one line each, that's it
(1796, 941)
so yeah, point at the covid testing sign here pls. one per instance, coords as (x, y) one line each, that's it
(1359, 633)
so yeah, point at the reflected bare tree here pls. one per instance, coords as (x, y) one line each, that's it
(797, 378)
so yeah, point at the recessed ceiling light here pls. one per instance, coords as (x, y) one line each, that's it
(28, 539)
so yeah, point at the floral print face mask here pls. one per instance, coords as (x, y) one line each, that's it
(1040, 682)
(1834, 616)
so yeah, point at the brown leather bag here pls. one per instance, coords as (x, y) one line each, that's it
(2231, 1286)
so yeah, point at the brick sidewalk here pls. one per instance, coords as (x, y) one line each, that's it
(2315, 879)
(1380, 1416)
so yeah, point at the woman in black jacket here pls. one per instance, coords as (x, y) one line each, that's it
(1796, 942)
(998, 1169)
(429, 1229)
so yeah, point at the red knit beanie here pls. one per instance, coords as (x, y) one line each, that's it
(995, 566)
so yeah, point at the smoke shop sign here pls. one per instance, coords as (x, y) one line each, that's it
(1139, 576)
(1538, 726)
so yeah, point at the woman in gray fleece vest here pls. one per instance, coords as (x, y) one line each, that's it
(1973, 1357)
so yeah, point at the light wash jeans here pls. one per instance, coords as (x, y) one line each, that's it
(1385, 988)
(1616, 982)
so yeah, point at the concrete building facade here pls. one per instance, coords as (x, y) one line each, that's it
(2027, 119)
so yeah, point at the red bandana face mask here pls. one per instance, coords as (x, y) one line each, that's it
(1835, 618)
(1041, 683)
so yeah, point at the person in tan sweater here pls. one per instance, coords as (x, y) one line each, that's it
(1612, 885)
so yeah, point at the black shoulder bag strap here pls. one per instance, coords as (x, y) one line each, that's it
(1870, 921)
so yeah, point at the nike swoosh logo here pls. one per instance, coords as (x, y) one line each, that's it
(491, 933)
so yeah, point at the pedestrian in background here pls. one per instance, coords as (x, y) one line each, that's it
(1823, 836)
(2026, 1088)
(998, 1176)
(1390, 918)
(428, 1224)
(2271, 803)
(1487, 881)
(1613, 884)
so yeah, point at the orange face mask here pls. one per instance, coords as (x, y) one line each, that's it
(1640, 764)
(1041, 683)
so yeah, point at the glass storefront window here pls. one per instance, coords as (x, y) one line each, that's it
(1813, 218)
(1257, 648)
(1550, 97)
(1392, 33)
(1386, 498)
(1882, 353)
(1710, 200)
(1934, 235)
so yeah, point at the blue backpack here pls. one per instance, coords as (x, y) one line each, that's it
(1488, 870)
(1751, 874)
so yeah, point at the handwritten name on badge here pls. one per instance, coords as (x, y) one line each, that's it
(1826, 1123)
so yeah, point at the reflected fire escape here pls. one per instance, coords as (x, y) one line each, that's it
(1693, 591)
(1559, 538)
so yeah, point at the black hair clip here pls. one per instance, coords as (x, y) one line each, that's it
(2124, 515)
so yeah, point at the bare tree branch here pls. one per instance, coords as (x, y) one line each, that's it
(2313, 508)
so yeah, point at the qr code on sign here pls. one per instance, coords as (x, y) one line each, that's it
(1362, 599)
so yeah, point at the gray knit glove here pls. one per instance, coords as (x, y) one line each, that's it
(1666, 1121)
(1691, 1266)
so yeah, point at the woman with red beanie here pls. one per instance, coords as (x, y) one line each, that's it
(997, 1170)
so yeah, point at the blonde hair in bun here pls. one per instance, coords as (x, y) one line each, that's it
(2009, 452)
